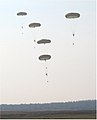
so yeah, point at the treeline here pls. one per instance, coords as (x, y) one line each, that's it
(77, 105)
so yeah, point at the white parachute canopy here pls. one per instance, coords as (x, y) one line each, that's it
(44, 57)
(44, 41)
(72, 15)
(33, 25)
(21, 13)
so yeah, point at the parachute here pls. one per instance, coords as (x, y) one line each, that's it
(73, 23)
(33, 25)
(72, 15)
(43, 41)
(21, 13)
(44, 57)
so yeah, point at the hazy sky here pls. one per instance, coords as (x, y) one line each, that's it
(71, 69)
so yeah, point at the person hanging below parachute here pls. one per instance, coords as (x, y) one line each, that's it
(21, 14)
(44, 58)
(34, 25)
(73, 16)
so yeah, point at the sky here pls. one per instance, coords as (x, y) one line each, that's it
(71, 69)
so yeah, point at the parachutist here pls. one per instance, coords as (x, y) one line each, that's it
(45, 58)
(46, 74)
(73, 34)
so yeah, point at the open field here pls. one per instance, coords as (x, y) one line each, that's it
(89, 114)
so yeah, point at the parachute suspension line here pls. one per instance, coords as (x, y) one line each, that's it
(73, 39)
(34, 38)
(22, 32)
(46, 68)
(46, 72)
(34, 43)
(72, 29)
(45, 57)
(22, 29)
(36, 32)
(73, 42)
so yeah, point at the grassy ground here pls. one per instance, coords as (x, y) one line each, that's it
(48, 115)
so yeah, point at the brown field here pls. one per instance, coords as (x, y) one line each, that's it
(90, 114)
